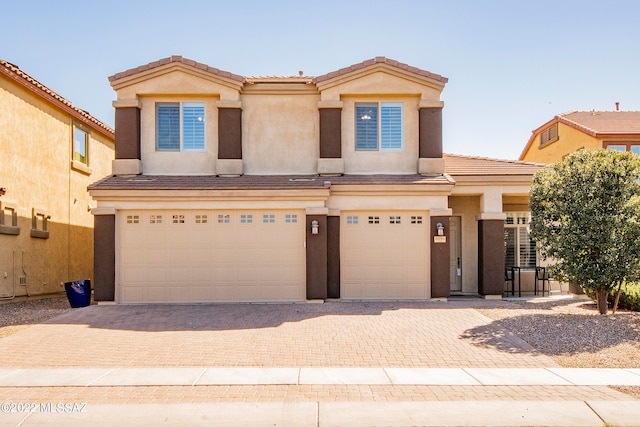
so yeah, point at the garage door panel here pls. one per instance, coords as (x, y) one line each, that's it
(384, 255)
(155, 275)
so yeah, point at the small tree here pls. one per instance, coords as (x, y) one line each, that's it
(586, 217)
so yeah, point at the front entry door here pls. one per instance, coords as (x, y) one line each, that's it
(455, 260)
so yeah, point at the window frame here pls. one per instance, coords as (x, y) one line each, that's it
(191, 138)
(520, 223)
(77, 128)
(548, 137)
(388, 130)
(627, 145)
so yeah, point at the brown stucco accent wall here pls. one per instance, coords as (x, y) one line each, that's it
(317, 258)
(430, 133)
(229, 133)
(490, 257)
(440, 254)
(330, 133)
(333, 257)
(127, 133)
(104, 259)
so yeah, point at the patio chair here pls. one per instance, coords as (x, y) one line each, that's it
(542, 276)
(508, 278)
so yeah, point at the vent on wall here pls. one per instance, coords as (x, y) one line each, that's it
(23, 280)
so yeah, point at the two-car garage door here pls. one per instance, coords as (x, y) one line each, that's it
(203, 256)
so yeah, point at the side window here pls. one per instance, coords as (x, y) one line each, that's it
(379, 126)
(180, 126)
(80, 145)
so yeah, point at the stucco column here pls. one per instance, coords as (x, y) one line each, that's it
(229, 138)
(317, 253)
(440, 254)
(491, 257)
(104, 254)
(333, 254)
(330, 161)
(127, 138)
(430, 138)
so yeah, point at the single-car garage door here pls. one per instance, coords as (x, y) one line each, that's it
(384, 255)
(208, 256)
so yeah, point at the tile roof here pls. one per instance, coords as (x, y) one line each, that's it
(455, 165)
(379, 60)
(14, 73)
(255, 182)
(176, 59)
(276, 79)
(603, 122)
(459, 165)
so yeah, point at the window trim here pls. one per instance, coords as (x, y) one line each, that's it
(181, 131)
(627, 144)
(77, 127)
(380, 132)
(526, 216)
(546, 138)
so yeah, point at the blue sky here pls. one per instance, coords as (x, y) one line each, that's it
(512, 65)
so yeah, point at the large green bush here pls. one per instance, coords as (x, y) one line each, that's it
(629, 297)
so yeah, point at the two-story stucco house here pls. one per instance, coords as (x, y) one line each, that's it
(50, 151)
(233, 188)
(588, 130)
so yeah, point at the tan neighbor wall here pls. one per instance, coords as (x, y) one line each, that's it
(569, 141)
(36, 149)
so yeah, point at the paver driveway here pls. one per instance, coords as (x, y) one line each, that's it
(333, 334)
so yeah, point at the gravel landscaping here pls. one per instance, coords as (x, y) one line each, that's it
(568, 330)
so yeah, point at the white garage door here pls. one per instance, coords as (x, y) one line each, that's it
(384, 255)
(204, 256)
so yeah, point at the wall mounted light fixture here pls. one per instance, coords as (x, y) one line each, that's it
(314, 227)
(440, 228)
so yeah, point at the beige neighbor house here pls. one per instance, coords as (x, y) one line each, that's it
(50, 152)
(233, 188)
(589, 130)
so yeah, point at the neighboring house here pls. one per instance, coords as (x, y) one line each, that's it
(232, 188)
(50, 152)
(577, 130)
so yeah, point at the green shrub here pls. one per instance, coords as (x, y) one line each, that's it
(629, 297)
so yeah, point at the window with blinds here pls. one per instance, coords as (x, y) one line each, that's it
(180, 126)
(379, 126)
(519, 248)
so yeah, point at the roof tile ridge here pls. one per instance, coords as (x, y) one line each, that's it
(493, 159)
(15, 70)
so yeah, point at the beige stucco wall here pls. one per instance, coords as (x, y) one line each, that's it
(35, 167)
(280, 132)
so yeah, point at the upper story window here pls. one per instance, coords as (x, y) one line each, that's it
(80, 145)
(379, 126)
(633, 146)
(180, 126)
(549, 135)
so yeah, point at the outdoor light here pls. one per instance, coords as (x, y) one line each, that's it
(314, 227)
(440, 228)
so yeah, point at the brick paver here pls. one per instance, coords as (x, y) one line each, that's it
(334, 334)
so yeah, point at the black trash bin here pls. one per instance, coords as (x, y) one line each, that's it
(78, 293)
